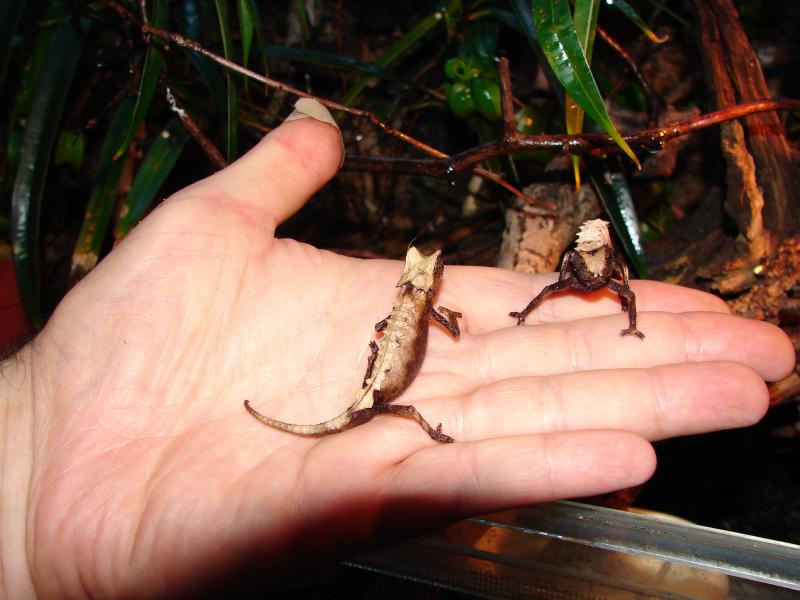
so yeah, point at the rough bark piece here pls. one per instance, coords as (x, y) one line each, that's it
(534, 242)
(762, 174)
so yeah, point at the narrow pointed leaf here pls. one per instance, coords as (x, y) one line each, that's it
(10, 13)
(252, 8)
(104, 195)
(559, 42)
(55, 79)
(250, 29)
(70, 149)
(188, 19)
(612, 187)
(627, 10)
(663, 6)
(573, 117)
(505, 17)
(151, 72)
(398, 49)
(156, 166)
(522, 10)
(231, 107)
(302, 15)
(585, 19)
(246, 29)
(328, 59)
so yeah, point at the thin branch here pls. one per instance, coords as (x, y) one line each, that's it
(588, 143)
(507, 101)
(214, 155)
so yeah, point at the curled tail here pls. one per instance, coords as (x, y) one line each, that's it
(345, 420)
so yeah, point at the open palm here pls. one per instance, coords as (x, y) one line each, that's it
(149, 476)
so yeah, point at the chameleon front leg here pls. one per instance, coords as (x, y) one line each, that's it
(561, 284)
(629, 299)
(370, 363)
(620, 271)
(448, 320)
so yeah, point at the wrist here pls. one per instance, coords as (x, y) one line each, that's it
(16, 463)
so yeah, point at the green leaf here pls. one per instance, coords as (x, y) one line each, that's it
(612, 188)
(302, 15)
(246, 29)
(104, 195)
(250, 27)
(585, 19)
(188, 19)
(10, 13)
(522, 10)
(499, 15)
(57, 12)
(559, 42)
(55, 79)
(663, 6)
(397, 50)
(156, 166)
(33, 69)
(13, 146)
(479, 43)
(573, 117)
(231, 108)
(259, 30)
(69, 149)
(629, 12)
(151, 72)
(328, 59)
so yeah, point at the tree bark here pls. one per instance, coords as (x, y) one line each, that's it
(762, 174)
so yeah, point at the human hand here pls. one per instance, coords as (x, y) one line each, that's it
(145, 475)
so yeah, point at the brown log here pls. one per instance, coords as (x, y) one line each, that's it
(534, 242)
(763, 178)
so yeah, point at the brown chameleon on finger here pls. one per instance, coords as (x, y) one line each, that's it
(590, 266)
(396, 358)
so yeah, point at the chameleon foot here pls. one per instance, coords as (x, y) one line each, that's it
(518, 316)
(439, 436)
(632, 331)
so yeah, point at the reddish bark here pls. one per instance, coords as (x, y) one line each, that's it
(762, 175)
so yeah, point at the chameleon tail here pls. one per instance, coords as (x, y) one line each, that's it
(345, 420)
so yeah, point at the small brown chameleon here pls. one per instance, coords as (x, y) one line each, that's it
(590, 266)
(396, 358)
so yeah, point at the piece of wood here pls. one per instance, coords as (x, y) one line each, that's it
(762, 175)
(534, 241)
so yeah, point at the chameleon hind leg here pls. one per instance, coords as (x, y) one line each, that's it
(629, 303)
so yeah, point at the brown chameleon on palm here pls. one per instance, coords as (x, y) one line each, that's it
(590, 266)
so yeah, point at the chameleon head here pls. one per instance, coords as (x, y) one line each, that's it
(593, 235)
(420, 270)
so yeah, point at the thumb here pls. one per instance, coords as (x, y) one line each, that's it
(281, 172)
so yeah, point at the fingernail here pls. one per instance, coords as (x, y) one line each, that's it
(310, 108)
